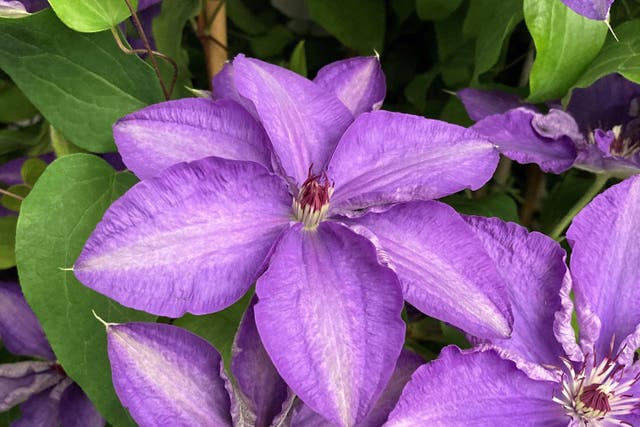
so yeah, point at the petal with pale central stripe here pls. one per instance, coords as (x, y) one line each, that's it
(480, 389)
(192, 239)
(303, 120)
(392, 157)
(604, 263)
(444, 269)
(165, 375)
(329, 317)
(161, 135)
(357, 82)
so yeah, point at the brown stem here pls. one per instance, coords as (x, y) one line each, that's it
(130, 51)
(147, 46)
(212, 32)
(531, 195)
(10, 194)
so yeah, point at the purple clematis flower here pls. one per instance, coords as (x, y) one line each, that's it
(180, 364)
(47, 397)
(592, 9)
(285, 188)
(541, 376)
(21, 7)
(599, 131)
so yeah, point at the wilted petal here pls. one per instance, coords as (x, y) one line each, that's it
(329, 317)
(254, 372)
(392, 157)
(19, 381)
(605, 260)
(480, 389)
(443, 267)
(606, 103)
(303, 120)
(515, 136)
(192, 239)
(533, 268)
(76, 410)
(164, 134)
(20, 330)
(592, 9)
(357, 82)
(163, 373)
(482, 103)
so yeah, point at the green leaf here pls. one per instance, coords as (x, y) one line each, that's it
(565, 44)
(14, 106)
(358, 24)
(61, 146)
(7, 241)
(31, 170)
(22, 138)
(91, 16)
(82, 83)
(499, 18)
(435, 10)
(242, 18)
(417, 89)
(218, 328)
(167, 34)
(621, 56)
(56, 219)
(272, 43)
(494, 205)
(11, 202)
(298, 60)
(563, 196)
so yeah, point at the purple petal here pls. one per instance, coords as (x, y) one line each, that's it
(392, 157)
(192, 239)
(443, 267)
(329, 317)
(482, 103)
(592, 9)
(477, 389)
(164, 134)
(604, 104)
(224, 87)
(533, 267)
(515, 136)
(163, 373)
(604, 262)
(303, 120)
(76, 410)
(19, 381)
(358, 82)
(19, 328)
(407, 363)
(42, 410)
(254, 372)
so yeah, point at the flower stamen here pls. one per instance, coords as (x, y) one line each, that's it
(312, 204)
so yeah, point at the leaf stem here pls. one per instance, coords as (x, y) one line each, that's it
(10, 194)
(129, 51)
(592, 191)
(147, 46)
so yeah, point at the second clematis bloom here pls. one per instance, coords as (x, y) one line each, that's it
(598, 132)
(541, 376)
(592, 9)
(298, 186)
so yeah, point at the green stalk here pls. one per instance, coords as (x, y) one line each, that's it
(592, 191)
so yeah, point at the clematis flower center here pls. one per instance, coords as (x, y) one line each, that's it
(627, 139)
(311, 205)
(597, 395)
